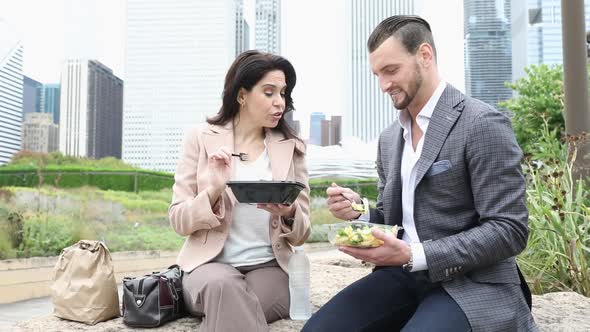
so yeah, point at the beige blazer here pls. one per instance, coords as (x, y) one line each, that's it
(206, 226)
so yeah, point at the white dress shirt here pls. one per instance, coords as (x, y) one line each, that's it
(408, 174)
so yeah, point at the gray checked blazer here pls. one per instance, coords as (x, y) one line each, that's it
(470, 208)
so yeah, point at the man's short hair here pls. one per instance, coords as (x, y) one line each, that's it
(411, 30)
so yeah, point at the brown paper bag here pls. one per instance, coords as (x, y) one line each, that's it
(84, 287)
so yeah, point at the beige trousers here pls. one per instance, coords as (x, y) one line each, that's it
(237, 299)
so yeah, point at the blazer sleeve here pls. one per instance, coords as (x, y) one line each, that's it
(299, 231)
(499, 194)
(191, 209)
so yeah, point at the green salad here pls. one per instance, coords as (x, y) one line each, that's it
(361, 237)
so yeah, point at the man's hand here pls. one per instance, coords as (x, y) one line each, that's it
(393, 252)
(339, 202)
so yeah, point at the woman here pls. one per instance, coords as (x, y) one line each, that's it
(236, 255)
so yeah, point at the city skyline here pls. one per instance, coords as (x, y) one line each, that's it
(334, 77)
(81, 31)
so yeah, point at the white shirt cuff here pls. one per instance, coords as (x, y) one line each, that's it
(418, 256)
(367, 215)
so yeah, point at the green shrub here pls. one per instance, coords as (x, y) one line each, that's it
(77, 177)
(539, 98)
(6, 249)
(42, 160)
(144, 237)
(558, 253)
(46, 235)
(131, 201)
(125, 221)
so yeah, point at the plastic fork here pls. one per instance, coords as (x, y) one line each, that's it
(241, 155)
(358, 207)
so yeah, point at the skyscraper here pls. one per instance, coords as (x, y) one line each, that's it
(174, 74)
(369, 110)
(40, 134)
(31, 96)
(325, 136)
(335, 129)
(50, 101)
(11, 93)
(268, 26)
(315, 131)
(91, 110)
(488, 49)
(544, 31)
(242, 33)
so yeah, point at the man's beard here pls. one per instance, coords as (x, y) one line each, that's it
(410, 94)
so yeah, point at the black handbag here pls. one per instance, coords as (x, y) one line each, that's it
(153, 299)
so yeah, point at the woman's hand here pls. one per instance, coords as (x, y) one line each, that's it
(219, 168)
(285, 211)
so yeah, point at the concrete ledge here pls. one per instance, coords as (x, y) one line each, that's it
(23, 279)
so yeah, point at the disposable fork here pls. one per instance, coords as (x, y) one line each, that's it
(241, 155)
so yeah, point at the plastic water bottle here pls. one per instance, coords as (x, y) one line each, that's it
(300, 308)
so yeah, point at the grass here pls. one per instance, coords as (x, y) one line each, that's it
(55, 218)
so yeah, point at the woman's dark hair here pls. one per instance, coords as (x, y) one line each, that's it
(411, 30)
(247, 70)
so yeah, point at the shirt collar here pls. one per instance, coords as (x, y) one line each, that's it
(425, 113)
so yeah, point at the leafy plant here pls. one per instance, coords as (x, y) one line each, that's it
(557, 257)
(539, 98)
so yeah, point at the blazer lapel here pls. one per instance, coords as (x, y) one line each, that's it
(396, 157)
(397, 147)
(280, 153)
(447, 111)
(217, 136)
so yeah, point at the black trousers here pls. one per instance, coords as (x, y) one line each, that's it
(390, 299)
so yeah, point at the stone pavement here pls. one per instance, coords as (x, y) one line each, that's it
(331, 271)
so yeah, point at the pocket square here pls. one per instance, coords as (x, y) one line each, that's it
(438, 167)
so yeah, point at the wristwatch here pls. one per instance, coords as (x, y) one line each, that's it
(410, 264)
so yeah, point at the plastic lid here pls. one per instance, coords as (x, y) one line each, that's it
(298, 248)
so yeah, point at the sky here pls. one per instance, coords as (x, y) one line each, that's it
(52, 31)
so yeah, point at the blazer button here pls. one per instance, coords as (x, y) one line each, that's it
(274, 223)
(278, 246)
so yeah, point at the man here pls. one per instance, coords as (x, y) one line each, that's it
(449, 173)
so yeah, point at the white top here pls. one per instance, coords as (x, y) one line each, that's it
(408, 174)
(248, 242)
